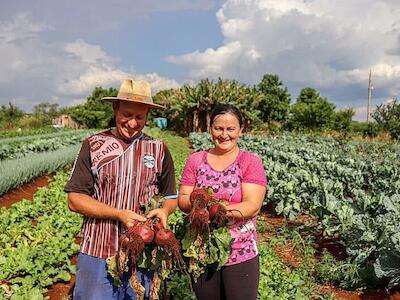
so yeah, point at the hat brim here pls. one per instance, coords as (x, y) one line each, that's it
(151, 105)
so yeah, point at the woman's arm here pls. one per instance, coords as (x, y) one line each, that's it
(184, 198)
(252, 200)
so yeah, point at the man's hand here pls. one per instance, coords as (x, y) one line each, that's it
(161, 213)
(128, 217)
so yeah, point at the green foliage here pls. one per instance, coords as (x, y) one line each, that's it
(189, 108)
(36, 242)
(18, 147)
(9, 115)
(33, 121)
(369, 130)
(206, 250)
(95, 113)
(178, 146)
(344, 274)
(178, 287)
(28, 132)
(46, 108)
(43, 114)
(388, 116)
(279, 282)
(275, 99)
(350, 188)
(311, 111)
(16, 172)
(341, 120)
(327, 269)
(388, 266)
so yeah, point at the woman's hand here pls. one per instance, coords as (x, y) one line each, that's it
(252, 200)
(184, 198)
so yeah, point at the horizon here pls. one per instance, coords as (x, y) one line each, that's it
(331, 47)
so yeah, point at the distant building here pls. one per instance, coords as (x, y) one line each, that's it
(65, 120)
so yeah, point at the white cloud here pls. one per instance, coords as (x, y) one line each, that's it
(325, 44)
(107, 77)
(21, 28)
(90, 54)
(35, 71)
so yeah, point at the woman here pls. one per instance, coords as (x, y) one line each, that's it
(238, 177)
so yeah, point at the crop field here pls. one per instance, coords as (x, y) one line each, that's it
(329, 228)
(349, 191)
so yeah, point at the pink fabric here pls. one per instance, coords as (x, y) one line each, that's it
(226, 184)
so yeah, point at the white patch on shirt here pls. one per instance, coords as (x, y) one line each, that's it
(149, 161)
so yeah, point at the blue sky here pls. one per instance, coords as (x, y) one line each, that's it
(58, 51)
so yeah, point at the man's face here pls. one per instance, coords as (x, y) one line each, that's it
(130, 118)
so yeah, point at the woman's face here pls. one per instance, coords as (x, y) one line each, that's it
(225, 132)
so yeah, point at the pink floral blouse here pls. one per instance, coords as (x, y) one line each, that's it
(226, 184)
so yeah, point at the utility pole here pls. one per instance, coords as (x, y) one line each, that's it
(370, 88)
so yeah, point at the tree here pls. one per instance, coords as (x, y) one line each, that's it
(275, 99)
(311, 111)
(9, 115)
(189, 107)
(388, 117)
(46, 108)
(342, 119)
(95, 113)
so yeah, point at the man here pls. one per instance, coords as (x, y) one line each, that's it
(115, 175)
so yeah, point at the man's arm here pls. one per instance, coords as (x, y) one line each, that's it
(90, 207)
(81, 185)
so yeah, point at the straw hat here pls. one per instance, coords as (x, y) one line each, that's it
(135, 91)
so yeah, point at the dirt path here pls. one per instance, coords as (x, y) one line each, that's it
(24, 192)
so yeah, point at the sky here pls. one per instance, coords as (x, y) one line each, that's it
(58, 51)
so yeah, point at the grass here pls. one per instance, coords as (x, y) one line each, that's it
(178, 146)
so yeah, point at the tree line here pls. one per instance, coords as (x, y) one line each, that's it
(266, 106)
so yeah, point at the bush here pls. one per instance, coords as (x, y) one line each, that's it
(388, 117)
(370, 130)
(33, 121)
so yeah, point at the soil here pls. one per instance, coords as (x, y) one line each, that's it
(336, 249)
(63, 290)
(359, 295)
(287, 254)
(24, 192)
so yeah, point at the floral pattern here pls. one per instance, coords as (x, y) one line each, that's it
(226, 186)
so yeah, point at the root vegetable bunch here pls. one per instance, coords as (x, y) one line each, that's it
(218, 214)
(206, 212)
(166, 239)
(199, 217)
(132, 245)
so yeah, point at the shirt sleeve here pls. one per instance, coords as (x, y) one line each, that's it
(166, 180)
(189, 171)
(82, 179)
(253, 169)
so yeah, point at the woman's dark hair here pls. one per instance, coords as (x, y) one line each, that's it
(221, 109)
